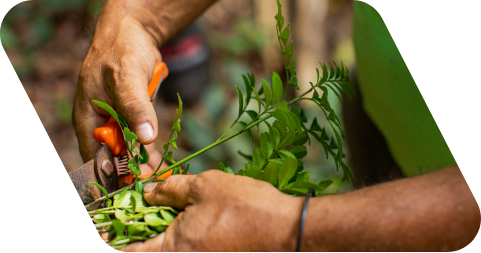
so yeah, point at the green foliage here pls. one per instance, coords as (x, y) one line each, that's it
(131, 219)
(277, 158)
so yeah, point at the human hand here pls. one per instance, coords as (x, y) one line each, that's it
(116, 70)
(223, 212)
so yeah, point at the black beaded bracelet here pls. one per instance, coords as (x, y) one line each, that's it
(303, 218)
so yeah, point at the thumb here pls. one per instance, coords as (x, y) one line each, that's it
(174, 192)
(133, 103)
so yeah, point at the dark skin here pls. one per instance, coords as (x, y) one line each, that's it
(223, 212)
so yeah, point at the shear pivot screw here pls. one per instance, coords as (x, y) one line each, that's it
(107, 168)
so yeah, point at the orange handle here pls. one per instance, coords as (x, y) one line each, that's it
(110, 133)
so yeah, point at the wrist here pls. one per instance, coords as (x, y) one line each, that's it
(116, 13)
(287, 221)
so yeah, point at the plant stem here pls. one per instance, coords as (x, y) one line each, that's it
(235, 121)
(156, 174)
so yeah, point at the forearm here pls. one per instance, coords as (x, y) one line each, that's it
(432, 212)
(162, 19)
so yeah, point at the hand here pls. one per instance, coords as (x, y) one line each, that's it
(223, 212)
(117, 70)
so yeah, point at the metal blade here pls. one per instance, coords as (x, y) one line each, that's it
(81, 177)
(158, 86)
(99, 170)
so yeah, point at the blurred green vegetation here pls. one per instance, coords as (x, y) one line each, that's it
(30, 25)
(235, 45)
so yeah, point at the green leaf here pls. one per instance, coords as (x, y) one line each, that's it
(129, 136)
(137, 200)
(292, 65)
(267, 92)
(119, 228)
(335, 92)
(315, 126)
(101, 218)
(252, 114)
(186, 169)
(144, 155)
(248, 157)
(332, 73)
(301, 186)
(301, 138)
(241, 101)
(139, 187)
(324, 184)
(247, 167)
(229, 170)
(176, 125)
(261, 90)
(281, 117)
(284, 36)
(153, 219)
(221, 166)
(279, 17)
(255, 172)
(288, 50)
(275, 136)
(266, 145)
(121, 214)
(258, 157)
(169, 158)
(176, 171)
(299, 151)
(281, 128)
(168, 216)
(173, 141)
(285, 154)
(101, 188)
(293, 80)
(300, 166)
(252, 79)
(259, 102)
(109, 109)
(294, 120)
(276, 88)
(287, 170)
(303, 177)
(179, 111)
(325, 73)
(271, 172)
(122, 199)
(134, 165)
(242, 173)
(123, 122)
(333, 144)
(248, 89)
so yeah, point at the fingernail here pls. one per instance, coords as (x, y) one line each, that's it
(145, 132)
(149, 187)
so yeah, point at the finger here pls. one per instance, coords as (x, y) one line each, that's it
(150, 245)
(132, 101)
(85, 120)
(174, 191)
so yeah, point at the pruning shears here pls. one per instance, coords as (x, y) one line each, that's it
(102, 169)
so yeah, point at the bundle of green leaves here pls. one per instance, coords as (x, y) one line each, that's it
(130, 218)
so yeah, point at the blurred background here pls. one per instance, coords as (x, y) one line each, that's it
(47, 40)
